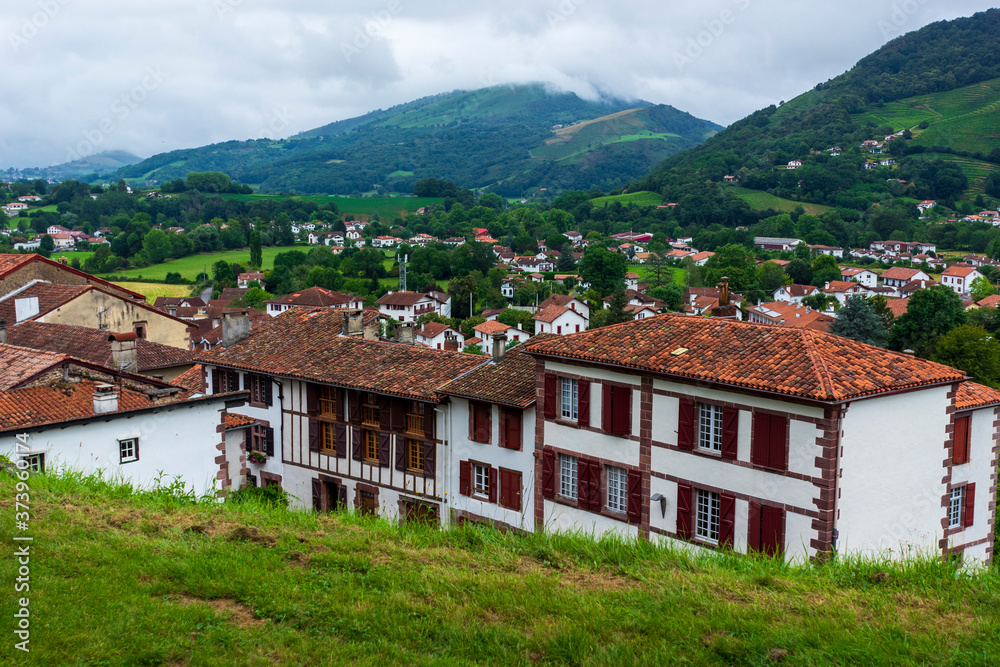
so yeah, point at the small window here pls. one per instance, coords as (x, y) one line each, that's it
(617, 489)
(415, 418)
(327, 397)
(481, 484)
(370, 411)
(36, 462)
(415, 455)
(707, 524)
(327, 437)
(258, 439)
(128, 450)
(567, 476)
(140, 331)
(570, 399)
(371, 445)
(710, 427)
(955, 507)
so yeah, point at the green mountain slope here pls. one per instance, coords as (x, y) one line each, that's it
(101, 163)
(947, 74)
(483, 139)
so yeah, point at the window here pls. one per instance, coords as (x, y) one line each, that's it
(570, 399)
(617, 489)
(567, 476)
(225, 381)
(415, 455)
(480, 422)
(327, 437)
(510, 430)
(367, 503)
(371, 445)
(510, 489)
(770, 434)
(710, 427)
(260, 389)
(128, 450)
(707, 518)
(370, 414)
(481, 482)
(140, 330)
(36, 462)
(415, 419)
(955, 507)
(258, 438)
(960, 453)
(617, 413)
(327, 401)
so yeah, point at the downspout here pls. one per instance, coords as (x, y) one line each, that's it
(446, 459)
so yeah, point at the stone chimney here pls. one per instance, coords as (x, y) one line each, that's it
(499, 346)
(105, 399)
(406, 333)
(725, 309)
(124, 355)
(354, 323)
(450, 342)
(3, 331)
(235, 327)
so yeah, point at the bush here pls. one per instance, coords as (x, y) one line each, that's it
(267, 495)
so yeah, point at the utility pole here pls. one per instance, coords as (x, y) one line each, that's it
(402, 271)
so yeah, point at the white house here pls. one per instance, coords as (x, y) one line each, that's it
(490, 332)
(864, 276)
(313, 297)
(841, 290)
(794, 293)
(438, 336)
(567, 301)
(559, 320)
(959, 277)
(898, 276)
(408, 306)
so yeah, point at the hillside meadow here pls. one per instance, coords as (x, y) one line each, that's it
(125, 578)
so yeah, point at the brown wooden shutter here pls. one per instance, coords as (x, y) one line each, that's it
(312, 401)
(357, 452)
(488, 416)
(398, 415)
(730, 432)
(550, 396)
(622, 397)
(685, 424)
(314, 444)
(514, 425)
(401, 454)
(493, 484)
(960, 452)
(465, 478)
(684, 493)
(340, 438)
(594, 485)
(216, 381)
(503, 427)
(759, 448)
(772, 530)
(753, 528)
(317, 493)
(269, 441)
(607, 408)
(634, 496)
(384, 443)
(384, 413)
(582, 483)
(583, 403)
(727, 519)
(354, 407)
(510, 489)
(777, 456)
(548, 474)
(970, 505)
(430, 459)
(267, 390)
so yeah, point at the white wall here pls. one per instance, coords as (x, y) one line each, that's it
(978, 471)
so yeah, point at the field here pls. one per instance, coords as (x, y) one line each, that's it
(642, 198)
(760, 201)
(189, 267)
(386, 207)
(119, 578)
(977, 171)
(153, 290)
(644, 272)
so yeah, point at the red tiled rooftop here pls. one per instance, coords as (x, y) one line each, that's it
(20, 364)
(401, 299)
(47, 404)
(231, 420)
(50, 296)
(900, 273)
(550, 313)
(792, 361)
(973, 395)
(492, 328)
(510, 382)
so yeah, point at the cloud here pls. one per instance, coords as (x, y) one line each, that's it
(77, 74)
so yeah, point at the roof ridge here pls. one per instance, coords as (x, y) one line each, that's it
(822, 371)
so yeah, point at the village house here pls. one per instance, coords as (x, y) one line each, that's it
(789, 314)
(771, 243)
(493, 331)
(244, 279)
(438, 336)
(898, 276)
(313, 297)
(701, 258)
(867, 278)
(841, 290)
(794, 293)
(959, 277)
(559, 320)
(834, 251)
(567, 301)
(408, 306)
(19, 270)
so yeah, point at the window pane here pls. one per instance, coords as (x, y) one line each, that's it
(707, 520)
(569, 399)
(710, 427)
(567, 476)
(955, 507)
(482, 485)
(617, 489)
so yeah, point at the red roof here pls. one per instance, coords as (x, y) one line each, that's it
(959, 270)
(510, 382)
(401, 299)
(9, 263)
(549, 314)
(492, 327)
(21, 364)
(792, 361)
(433, 329)
(314, 296)
(46, 404)
(93, 345)
(972, 395)
(900, 273)
(231, 421)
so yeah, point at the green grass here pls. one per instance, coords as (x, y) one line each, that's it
(153, 290)
(976, 171)
(386, 207)
(119, 578)
(189, 267)
(760, 201)
(641, 198)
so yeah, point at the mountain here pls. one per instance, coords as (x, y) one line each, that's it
(510, 139)
(106, 162)
(938, 86)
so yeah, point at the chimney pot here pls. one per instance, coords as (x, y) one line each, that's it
(105, 399)
(499, 346)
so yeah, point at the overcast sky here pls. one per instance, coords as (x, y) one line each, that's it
(82, 76)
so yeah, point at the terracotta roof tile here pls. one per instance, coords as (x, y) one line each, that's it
(306, 344)
(48, 404)
(549, 313)
(973, 395)
(492, 327)
(9, 263)
(959, 270)
(792, 361)
(50, 296)
(191, 380)
(401, 299)
(897, 306)
(314, 296)
(900, 273)
(992, 301)
(510, 382)
(21, 364)
(231, 421)
(433, 329)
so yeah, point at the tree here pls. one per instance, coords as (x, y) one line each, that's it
(735, 262)
(799, 271)
(256, 254)
(671, 293)
(617, 312)
(603, 269)
(156, 246)
(566, 263)
(772, 276)
(473, 349)
(46, 246)
(973, 350)
(460, 290)
(859, 321)
(981, 288)
(255, 296)
(825, 269)
(930, 314)
(469, 325)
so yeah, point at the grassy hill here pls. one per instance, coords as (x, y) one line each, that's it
(119, 578)
(481, 139)
(189, 267)
(762, 201)
(362, 208)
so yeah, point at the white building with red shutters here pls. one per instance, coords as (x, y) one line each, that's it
(959, 277)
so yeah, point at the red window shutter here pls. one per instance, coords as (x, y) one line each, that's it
(684, 494)
(759, 448)
(753, 529)
(512, 423)
(465, 478)
(777, 456)
(634, 496)
(515, 489)
(357, 452)
(313, 435)
(622, 410)
(583, 494)
(583, 402)
(550, 396)
(472, 420)
(970, 505)
(772, 529)
(608, 408)
(354, 404)
(548, 474)
(312, 404)
(503, 428)
(216, 381)
(960, 452)
(340, 435)
(685, 424)
(730, 431)
(594, 486)
(727, 519)
(493, 484)
(488, 421)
